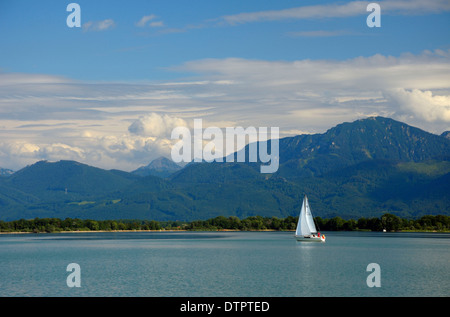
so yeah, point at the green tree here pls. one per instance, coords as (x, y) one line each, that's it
(335, 224)
(390, 222)
(92, 225)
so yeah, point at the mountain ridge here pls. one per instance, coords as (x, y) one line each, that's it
(366, 167)
(349, 143)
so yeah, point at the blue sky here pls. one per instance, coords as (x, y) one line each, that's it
(303, 66)
(36, 38)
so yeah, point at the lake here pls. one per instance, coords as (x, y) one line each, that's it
(224, 264)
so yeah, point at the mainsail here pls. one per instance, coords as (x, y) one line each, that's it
(305, 225)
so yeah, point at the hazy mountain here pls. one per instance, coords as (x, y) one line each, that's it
(161, 166)
(5, 172)
(363, 168)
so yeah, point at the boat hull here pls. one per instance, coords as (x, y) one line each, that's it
(310, 238)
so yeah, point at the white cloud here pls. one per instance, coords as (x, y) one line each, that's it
(312, 95)
(155, 125)
(304, 12)
(126, 125)
(11, 79)
(339, 10)
(143, 21)
(19, 153)
(414, 7)
(423, 104)
(125, 151)
(21, 148)
(131, 150)
(156, 24)
(98, 25)
(319, 33)
(59, 151)
(148, 20)
(426, 71)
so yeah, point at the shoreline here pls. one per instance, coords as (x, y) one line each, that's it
(86, 231)
(159, 230)
(218, 230)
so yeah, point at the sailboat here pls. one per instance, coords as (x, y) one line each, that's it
(306, 229)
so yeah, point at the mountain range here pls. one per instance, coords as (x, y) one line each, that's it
(356, 169)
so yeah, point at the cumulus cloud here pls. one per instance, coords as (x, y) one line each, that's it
(155, 125)
(20, 148)
(312, 94)
(148, 137)
(60, 151)
(126, 151)
(115, 125)
(19, 153)
(423, 104)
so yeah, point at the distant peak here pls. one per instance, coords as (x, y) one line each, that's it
(446, 134)
(60, 162)
(159, 166)
(6, 172)
(162, 160)
(379, 118)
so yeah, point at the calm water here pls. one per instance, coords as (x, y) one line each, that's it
(247, 264)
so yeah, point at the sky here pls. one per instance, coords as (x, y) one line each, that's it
(109, 93)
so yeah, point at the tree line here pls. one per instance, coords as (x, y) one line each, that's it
(57, 225)
(388, 222)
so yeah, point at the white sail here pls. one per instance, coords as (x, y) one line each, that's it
(305, 225)
(306, 229)
(309, 218)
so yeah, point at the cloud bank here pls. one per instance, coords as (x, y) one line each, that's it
(126, 125)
